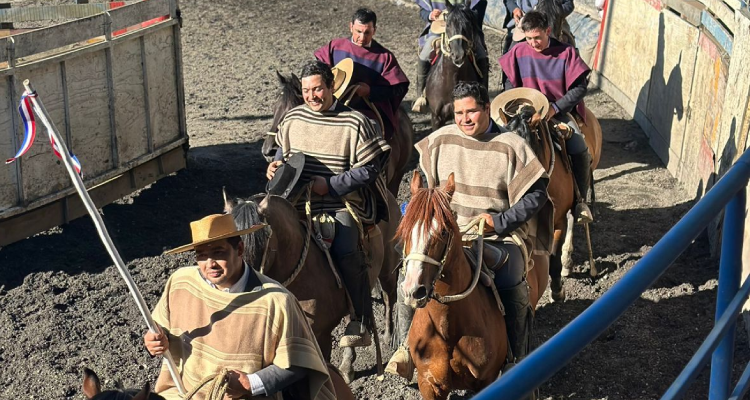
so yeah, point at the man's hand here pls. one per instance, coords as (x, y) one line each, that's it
(434, 14)
(363, 90)
(550, 113)
(517, 14)
(156, 343)
(272, 167)
(238, 385)
(320, 186)
(489, 224)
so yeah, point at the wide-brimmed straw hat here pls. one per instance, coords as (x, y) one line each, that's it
(286, 176)
(508, 103)
(518, 34)
(438, 26)
(342, 75)
(212, 228)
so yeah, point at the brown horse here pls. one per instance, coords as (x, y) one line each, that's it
(290, 258)
(455, 62)
(455, 345)
(560, 188)
(401, 143)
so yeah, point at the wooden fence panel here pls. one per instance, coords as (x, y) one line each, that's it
(55, 37)
(130, 103)
(162, 87)
(8, 188)
(136, 13)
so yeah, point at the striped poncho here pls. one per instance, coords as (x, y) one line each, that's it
(492, 172)
(210, 329)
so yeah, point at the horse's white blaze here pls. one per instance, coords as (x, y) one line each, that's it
(413, 268)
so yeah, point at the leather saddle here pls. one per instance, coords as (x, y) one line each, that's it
(492, 259)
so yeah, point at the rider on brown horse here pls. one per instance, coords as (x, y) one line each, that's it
(556, 70)
(376, 70)
(431, 11)
(344, 157)
(497, 177)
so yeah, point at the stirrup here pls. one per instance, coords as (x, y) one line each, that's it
(355, 336)
(401, 364)
(583, 214)
(420, 105)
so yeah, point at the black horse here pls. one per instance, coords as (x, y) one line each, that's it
(456, 61)
(92, 389)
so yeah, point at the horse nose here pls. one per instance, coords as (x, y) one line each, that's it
(419, 293)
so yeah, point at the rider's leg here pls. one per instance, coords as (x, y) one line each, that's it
(423, 68)
(514, 293)
(350, 261)
(401, 362)
(580, 161)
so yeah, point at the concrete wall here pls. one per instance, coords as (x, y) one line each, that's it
(681, 68)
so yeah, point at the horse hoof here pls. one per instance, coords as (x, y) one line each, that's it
(565, 271)
(558, 296)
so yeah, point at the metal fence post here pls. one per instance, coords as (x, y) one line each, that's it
(730, 269)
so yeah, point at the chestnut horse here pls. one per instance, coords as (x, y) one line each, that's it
(288, 257)
(401, 143)
(455, 345)
(560, 188)
(455, 62)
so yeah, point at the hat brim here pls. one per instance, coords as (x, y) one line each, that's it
(342, 75)
(438, 26)
(518, 35)
(191, 246)
(508, 102)
(296, 161)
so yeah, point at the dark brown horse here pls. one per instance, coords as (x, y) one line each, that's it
(92, 389)
(455, 345)
(289, 257)
(560, 187)
(401, 142)
(455, 61)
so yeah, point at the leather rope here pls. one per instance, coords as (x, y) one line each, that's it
(217, 390)
(445, 48)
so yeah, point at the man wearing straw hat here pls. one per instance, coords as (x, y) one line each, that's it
(376, 70)
(499, 179)
(344, 159)
(223, 316)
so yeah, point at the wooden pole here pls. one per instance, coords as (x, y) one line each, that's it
(103, 234)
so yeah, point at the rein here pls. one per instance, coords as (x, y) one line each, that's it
(217, 390)
(305, 248)
(445, 49)
(441, 264)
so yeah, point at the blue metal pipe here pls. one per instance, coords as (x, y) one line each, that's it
(730, 272)
(541, 364)
(742, 385)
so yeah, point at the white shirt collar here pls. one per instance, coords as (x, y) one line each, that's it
(366, 46)
(239, 286)
(333, 106)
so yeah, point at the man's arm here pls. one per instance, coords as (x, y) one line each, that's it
(574, 96)
(355, 178)
(510, 5)
(424, 14)
(521, 212)
(273, 379)
(387, 92)
(567, 7)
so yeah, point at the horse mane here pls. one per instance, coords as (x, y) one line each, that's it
(246, 214)
(290, 97)
(519, 124)
(426, 205)
(463, 19)
(554, 12)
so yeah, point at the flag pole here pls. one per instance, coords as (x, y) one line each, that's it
(103, 234)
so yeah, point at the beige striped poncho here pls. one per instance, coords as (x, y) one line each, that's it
(333, 142)
(210, 329)
(492, 172)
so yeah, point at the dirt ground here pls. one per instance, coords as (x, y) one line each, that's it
(63, 305)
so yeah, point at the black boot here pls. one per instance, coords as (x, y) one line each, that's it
(354, 274)
(581, 165)
(401, 363)
(518, 318)
(420, 104)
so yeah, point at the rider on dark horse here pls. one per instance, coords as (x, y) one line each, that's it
(376, 70)
(430, 11)
(344, 157)
(556, 70)
(516, 9)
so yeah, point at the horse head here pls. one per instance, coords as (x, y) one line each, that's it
(429, 233)
(247, 214)
(92, 389)
(290, 97)
(526, 124)
(461, 32)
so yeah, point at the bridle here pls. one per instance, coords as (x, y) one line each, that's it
(445, 49)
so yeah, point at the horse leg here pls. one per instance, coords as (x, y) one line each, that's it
(567, 248)
(347, 363)
(325, 342)
(556, 285)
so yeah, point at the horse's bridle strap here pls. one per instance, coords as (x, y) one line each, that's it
(423, 258)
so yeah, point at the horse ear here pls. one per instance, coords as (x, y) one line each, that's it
(91, 384)
(280, 77)
(416, 182)
(449, 6)
(229, 203)
(143, 394)
(450, 186)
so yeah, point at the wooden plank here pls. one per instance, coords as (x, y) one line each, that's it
(129, 91)
(91, 139)
(55, 37)
(174, 160)
(4, 43)
(8, 147)
(28, 224)
(690, 10)
(162, 87)
(722, 36)
(136, 13)
(50, 13)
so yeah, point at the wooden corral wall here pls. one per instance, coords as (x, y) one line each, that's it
(682, 69)
(118, 100)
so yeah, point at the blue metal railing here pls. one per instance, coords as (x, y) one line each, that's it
(554, 354)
